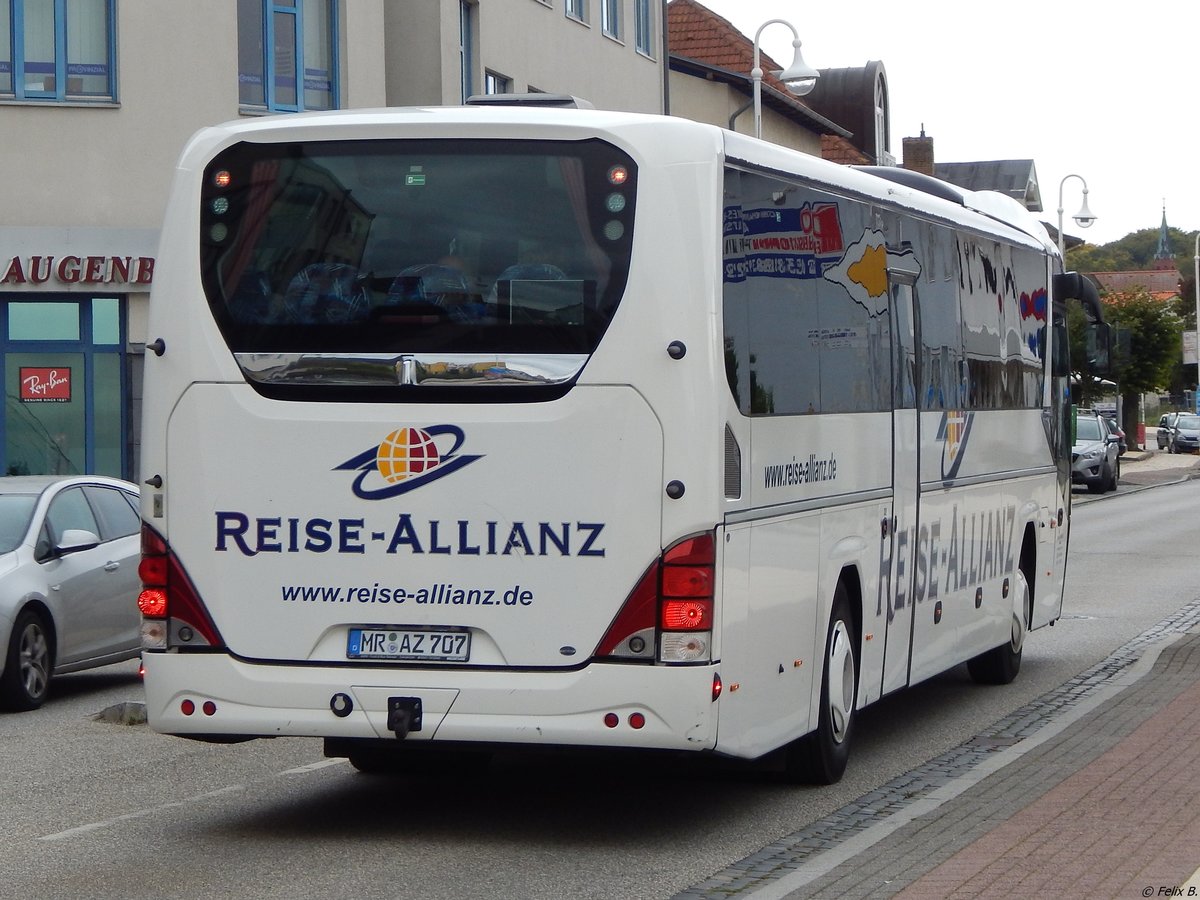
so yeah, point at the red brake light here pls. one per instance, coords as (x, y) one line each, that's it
(687, 615)
(153, 603)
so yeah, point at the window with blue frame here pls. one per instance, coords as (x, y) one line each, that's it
(643, 27)
(66, 386)
(287, 54)
(57, 50)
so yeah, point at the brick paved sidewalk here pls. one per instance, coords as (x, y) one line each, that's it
(1125, 823)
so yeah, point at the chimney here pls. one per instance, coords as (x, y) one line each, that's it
(918, 153)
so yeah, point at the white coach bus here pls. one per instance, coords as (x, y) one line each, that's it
(498, 426)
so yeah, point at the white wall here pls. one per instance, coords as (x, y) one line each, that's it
(713, 102)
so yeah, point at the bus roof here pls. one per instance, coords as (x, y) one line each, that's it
(675, 137)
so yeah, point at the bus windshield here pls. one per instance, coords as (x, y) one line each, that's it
(403, 246)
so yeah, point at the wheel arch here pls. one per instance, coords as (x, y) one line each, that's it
(1028, 565)
(851, 579)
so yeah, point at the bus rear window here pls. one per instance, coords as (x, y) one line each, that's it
(416, 246)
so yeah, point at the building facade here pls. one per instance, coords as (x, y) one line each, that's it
(97, 98)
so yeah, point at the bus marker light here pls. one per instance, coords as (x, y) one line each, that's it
(716, 688)
(797, 663)
(187, 707)
(637, 720)
(223, 179)
(618, 175)
(209, 708)
(611, 720)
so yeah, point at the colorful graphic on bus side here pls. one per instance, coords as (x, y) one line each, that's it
(781, 242)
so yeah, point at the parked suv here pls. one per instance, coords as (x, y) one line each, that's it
(1095, 457)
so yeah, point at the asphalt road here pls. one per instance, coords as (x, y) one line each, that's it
(99, 810)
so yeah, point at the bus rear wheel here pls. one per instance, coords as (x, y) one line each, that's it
(821, 757)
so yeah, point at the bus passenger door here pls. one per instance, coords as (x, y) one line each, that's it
(906, 470)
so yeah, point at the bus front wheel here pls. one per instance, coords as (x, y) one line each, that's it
(821, 757)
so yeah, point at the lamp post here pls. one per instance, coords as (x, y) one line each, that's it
(1196, 291)
(799, 77)
(1085, 218)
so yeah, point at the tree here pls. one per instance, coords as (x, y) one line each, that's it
(1132, 253)
(1154, 334)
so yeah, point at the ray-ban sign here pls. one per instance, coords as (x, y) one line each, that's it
(45, 385)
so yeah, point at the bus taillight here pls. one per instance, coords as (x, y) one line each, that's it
(686, 600)
(172, 613)
(672, 606)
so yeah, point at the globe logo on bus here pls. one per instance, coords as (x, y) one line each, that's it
(407, 458)
(406, 452)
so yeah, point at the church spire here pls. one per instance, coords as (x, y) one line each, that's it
(1164, 258)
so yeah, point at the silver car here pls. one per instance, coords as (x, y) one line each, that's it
(69, 553)
(1095, 456)
(1184, 434)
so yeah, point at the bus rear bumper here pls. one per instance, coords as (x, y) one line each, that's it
(216, 696)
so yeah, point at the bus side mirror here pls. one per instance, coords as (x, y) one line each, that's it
(1098, 349)
(1061, 356)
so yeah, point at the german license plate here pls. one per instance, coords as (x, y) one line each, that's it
(428, 644)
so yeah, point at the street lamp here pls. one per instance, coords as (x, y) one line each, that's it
(1196, 291)
(1085, 218)
(799, 77)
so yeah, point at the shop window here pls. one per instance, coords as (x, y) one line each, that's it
(48, 321)
(55, 50)
(66, 386)
(287, 54)
(106, 320)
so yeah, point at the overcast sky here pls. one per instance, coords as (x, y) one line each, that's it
(1105, 91)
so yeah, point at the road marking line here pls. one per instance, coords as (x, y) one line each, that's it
(312, 767)
(141, 813)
